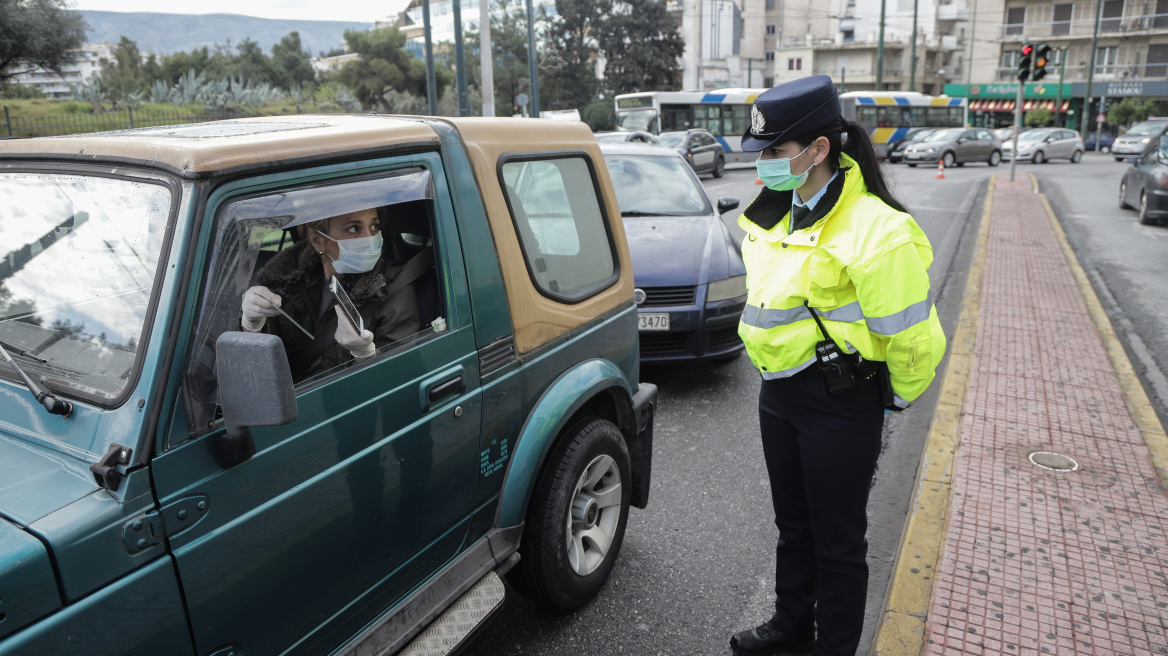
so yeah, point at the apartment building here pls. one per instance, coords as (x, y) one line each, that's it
(59, 86)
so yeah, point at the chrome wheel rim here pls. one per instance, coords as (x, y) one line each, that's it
(594, 515)
(1143, 205)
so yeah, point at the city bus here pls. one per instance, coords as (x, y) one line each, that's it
(724, 112)
(888, 115)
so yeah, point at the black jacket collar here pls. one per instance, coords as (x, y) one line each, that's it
(769, 207)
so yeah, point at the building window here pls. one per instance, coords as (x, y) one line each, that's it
(768, 82)
(849, 36)
(770, 4)
(1015, 19)
(1061, 25)
(1105, 60)
(770, 29)
(795, 64)
(1112, 16)
(770, 55)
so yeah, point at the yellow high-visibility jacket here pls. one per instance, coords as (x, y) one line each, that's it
(862, 265)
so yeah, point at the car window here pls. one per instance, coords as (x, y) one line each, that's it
(77, 273)
(659, 185)
(708, 140)
(262, 239)
(1147, 128)
(945, 135)
(561, 225)
(985, 135)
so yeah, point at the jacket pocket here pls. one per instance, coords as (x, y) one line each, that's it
(825, 279)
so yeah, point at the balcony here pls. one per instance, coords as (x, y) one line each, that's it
(952, 12)
(1122, 26)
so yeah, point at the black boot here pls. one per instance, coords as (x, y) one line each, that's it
(766, 640)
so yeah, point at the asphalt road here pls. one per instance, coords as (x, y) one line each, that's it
(698, 563)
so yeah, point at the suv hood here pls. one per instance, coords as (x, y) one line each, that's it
(35, 483)
(26, 579)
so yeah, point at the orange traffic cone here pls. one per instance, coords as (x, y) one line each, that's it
(940, 169)
(758, 181)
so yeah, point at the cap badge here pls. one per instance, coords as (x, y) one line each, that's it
(757, 120)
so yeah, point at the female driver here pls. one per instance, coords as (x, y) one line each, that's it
(840, 324)
(296, 281)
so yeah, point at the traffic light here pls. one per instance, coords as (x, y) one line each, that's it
(1041, 59)
(1024, 57)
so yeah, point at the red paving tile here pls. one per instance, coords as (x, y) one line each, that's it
(1038, 561)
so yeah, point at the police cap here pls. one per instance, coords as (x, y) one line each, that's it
(791, 110)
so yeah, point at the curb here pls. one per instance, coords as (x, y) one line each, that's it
(902, 624)
(1138, 404)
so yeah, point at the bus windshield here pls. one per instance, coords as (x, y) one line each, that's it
(638, 119)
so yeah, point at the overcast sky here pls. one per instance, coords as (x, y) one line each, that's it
(365, 11)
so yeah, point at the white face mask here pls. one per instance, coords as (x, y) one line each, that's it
(357, 255)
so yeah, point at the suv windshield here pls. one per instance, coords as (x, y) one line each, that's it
(655, 185)
(1034, 135)
(77, 269)
(638, 119)
(672, 139)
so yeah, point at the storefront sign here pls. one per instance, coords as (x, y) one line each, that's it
(1008, 90)
(1123, 89)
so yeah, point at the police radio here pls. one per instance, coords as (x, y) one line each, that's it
(836, 365)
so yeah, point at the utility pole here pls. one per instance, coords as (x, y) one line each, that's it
(460, 61)
(912, 76)
(1059, 118)
(430, 82)
(1091, 72)
(880, 51)
(488, 62)
(532, 65)
(969, 64)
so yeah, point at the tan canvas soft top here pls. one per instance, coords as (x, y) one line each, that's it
(201, 148)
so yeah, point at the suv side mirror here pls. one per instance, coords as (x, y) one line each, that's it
(727, 203)
(255, 389)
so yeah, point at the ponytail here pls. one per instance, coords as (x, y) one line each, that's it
(858, 146)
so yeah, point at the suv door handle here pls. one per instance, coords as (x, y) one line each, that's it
(444, 389)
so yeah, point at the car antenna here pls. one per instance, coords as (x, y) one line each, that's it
(54, 405)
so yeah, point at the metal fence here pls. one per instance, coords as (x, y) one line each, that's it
(48, 125)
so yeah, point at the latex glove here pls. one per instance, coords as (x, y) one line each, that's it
(259, 303)
(360, 345)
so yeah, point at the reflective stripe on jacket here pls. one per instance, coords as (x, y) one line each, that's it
(862, 265)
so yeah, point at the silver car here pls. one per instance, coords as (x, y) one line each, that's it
(956, 146)
(1139, 139)
(1046, 144)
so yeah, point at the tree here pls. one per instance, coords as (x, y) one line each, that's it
(251, 64)
(125, 74)
(291, 63)
(384, 65)
(510, 74)
(37, 33)
(568, 67)
(1038, 117)
(1130, 110)
(642, 44)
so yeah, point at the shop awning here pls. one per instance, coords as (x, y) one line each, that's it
(1008, 105)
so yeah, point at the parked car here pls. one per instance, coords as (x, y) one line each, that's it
(1139, 139)
(896, 149)
(699, 148)
(1006, 133)
(1145, 185)
(1044, 144)
(691, 282)
(168, 488)
(634, 136)
(1105, 141)
(956, 146)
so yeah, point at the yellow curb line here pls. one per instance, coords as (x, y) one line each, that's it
(1138, 404)
(906, 606)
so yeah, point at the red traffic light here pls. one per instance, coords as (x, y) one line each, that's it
(1027, 48)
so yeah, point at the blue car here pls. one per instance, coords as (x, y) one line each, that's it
(688, 272)
(1105, 141)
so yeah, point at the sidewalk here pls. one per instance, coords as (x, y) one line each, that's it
(1000, 555)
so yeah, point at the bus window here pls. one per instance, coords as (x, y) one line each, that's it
(708, 117)
(866, 116)
(740, 121)
(939, 118)
(675, 117)
(956, 116)
(919, 118)
(889, 117)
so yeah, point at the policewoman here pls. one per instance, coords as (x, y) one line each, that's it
(840, 324)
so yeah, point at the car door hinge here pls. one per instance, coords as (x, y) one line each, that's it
(151, 529)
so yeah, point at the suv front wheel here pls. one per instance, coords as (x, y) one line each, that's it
(576, 518)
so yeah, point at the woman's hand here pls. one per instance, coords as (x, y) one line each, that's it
(259, 303)
(360, 345)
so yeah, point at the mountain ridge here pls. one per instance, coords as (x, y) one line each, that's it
(193, 31)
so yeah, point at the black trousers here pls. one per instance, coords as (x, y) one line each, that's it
(821, 452)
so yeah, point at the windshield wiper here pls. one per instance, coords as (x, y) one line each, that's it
(644, 213)
(54, 405)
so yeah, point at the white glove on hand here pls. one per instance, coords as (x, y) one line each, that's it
(360, 345)
(259, 303)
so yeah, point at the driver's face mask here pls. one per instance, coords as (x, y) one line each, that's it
(357, 255)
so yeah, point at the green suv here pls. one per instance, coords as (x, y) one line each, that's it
(173, 483)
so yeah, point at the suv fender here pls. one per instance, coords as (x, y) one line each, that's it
(557, 406)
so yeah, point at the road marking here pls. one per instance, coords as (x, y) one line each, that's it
(906, 605)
